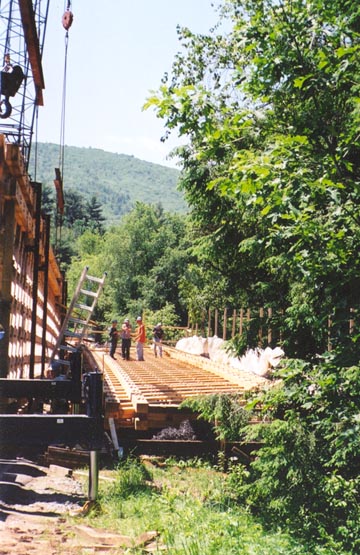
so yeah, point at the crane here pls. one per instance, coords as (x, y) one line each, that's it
(22, 35)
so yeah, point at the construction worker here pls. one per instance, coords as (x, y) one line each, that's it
(158, 335)
(114, 335)
(140, 338)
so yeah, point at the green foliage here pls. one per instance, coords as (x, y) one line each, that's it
(90, 248)
(65, 250)
(94, 215)
(224, 411)
(168, 317)
(249, 338)
(47, 200)
(272, 169)
(74, 210)
(78, 217)
(306, 472)
(146, 255)
(132, 478)
(144, 258)
(195, 462)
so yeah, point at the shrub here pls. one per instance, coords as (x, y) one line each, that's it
(224, 411)
(306, 473)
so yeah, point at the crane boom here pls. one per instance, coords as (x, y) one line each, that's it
(33, 46)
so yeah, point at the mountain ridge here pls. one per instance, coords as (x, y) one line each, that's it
(117, 180)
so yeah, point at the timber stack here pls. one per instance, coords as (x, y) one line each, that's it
(32, 291)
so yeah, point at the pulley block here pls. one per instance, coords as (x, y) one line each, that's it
(67, 20)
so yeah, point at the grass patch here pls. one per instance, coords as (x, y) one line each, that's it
(191, 507)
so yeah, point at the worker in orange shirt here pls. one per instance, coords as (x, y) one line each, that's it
(140, 338)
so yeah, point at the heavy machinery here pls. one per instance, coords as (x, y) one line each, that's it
(29, 278)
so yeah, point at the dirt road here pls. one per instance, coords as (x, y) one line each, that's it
(35, 503)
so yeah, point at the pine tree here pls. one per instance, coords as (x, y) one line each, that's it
(94, 215)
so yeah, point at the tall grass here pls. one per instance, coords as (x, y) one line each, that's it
(192, 509)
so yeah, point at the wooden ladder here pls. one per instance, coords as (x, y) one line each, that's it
(78, 316)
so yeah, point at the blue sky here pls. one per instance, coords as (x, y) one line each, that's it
(118, 51)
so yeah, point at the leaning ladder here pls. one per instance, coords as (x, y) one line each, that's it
(78, 315)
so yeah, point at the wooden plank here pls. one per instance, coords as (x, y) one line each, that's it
(225, 324)
(141, 425)
(140, 404)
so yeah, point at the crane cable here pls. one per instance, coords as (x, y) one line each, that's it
(67, 20)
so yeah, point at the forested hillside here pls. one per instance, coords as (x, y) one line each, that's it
(117, 180)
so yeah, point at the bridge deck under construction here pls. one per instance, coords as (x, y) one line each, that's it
(146, 395)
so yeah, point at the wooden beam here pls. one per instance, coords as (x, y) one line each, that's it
(33, 47)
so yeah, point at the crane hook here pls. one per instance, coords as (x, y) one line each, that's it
(11, 78)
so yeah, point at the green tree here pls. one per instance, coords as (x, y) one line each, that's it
(144, 257)
(95, 217)
(89, 249)
(271, 170)
(148, 255)
(74, 209)
(161, 284)
(78, 217)
(47, 200)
